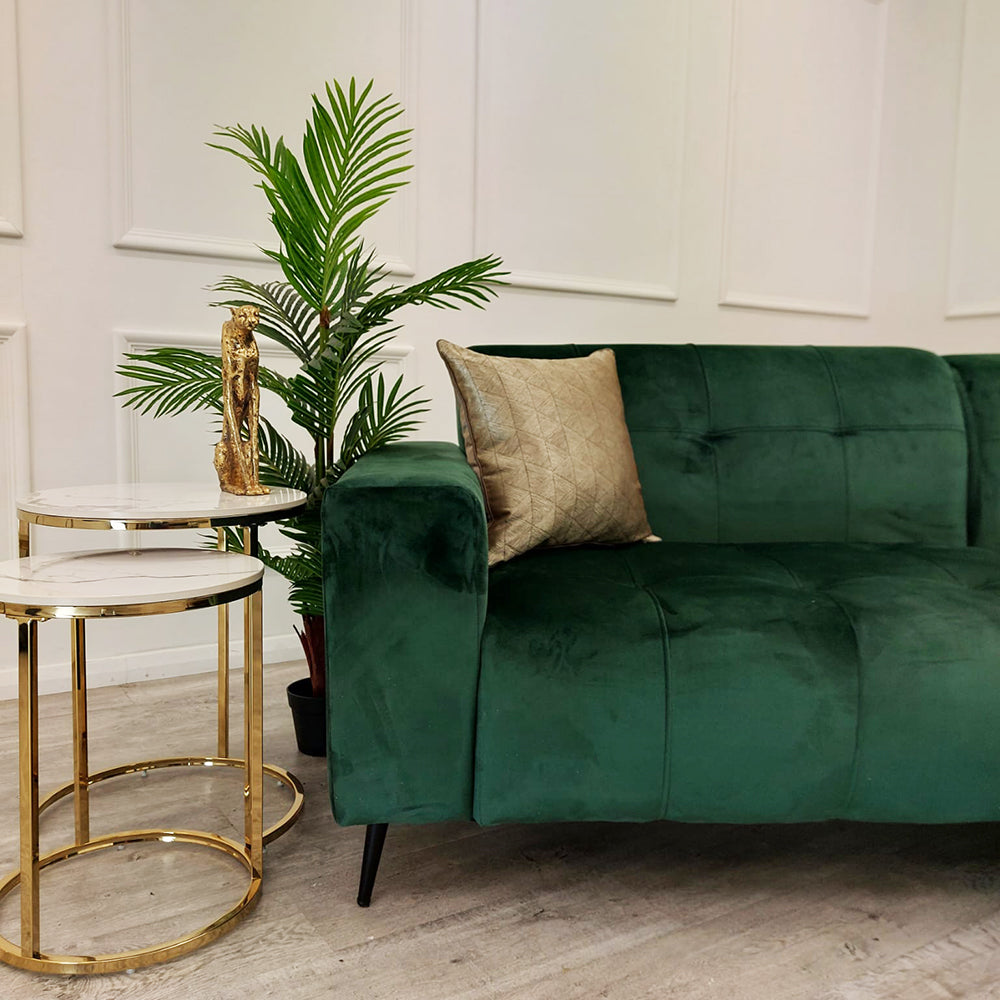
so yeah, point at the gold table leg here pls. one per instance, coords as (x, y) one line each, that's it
(223, 612)
(81, 765)
(27, 657)
(253, 725)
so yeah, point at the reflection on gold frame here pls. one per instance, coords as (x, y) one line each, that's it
(286, 778)
(131, 524)
(40, 961)
(43, 612)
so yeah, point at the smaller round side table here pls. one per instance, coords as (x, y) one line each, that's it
(117, 584)
(154, 507)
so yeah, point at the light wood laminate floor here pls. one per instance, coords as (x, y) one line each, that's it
(568, 912)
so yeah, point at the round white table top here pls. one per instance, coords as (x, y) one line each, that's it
(126, 505)
(95, 580)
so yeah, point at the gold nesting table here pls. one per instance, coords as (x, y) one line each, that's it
(131, 582)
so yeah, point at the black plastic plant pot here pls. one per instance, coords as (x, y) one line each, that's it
(308, 717)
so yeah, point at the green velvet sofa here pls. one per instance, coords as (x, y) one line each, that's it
(817, 636)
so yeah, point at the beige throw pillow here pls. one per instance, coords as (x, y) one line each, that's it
(548, 440)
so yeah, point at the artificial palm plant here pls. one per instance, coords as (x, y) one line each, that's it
(331, 312)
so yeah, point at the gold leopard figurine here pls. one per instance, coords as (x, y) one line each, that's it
(236, 458)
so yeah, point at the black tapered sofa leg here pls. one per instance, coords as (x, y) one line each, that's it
(374, 840)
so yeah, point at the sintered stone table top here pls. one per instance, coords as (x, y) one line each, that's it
(167, 505)
(69, 584)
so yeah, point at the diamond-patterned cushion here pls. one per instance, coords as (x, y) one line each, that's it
(549, 443)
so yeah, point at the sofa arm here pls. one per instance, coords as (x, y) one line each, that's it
(404, 584)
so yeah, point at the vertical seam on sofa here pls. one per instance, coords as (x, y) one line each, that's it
(973, 452)
(482, 607)
(665, 781)
(715, 457)
(841, 426)
(857, 710)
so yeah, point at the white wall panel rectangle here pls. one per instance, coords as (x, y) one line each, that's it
(974, 272)
(182, 67)
(10, 124)
(804, 127)
(14, 443)
(580, 140)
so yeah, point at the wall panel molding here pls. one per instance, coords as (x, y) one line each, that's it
(11, 204)
(586, 284)
(974, 248)
(663, 221)
(129, 231)
(837, 245)
(15, 445)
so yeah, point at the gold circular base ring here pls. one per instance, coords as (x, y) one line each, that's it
(140, 957)
(279, 773)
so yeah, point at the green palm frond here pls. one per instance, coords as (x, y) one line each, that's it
(285, 317)
(297, 569)
(302, 569)
(281, 463)
(381, 418)
(361, 365)
(172, 380)
(306, 596)
(472, 283)
(352, 167)
(323, 390)
(273, 381)
(361, 275)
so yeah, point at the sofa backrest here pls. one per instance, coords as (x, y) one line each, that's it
(980, 378)
(750, 444)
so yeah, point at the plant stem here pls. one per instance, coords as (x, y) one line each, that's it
(320, 460)
(324, 327)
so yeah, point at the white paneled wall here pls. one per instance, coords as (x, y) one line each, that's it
(769, 171)
(10, 131)
(802, 164)
(14, 457)
(543, 70)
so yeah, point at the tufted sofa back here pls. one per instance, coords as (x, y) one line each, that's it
(787, 444)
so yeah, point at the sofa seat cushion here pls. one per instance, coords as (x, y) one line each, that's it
(742, 683)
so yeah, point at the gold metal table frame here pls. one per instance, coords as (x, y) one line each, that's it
(28, 954)
(83, 779)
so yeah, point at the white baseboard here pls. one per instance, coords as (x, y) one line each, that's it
(129, 668)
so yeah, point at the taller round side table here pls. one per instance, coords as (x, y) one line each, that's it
(158, 506)
(119, 584)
